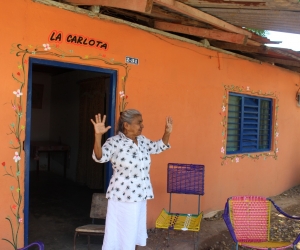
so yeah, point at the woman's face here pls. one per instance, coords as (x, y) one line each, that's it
(136, 126)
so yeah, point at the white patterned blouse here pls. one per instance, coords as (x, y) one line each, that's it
(130, 181)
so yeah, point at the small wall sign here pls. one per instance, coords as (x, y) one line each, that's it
(131, 60)
(57, 37)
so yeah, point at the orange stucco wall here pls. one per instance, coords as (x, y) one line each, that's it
(173, 78)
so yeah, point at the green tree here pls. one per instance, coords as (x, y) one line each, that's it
(259, 32)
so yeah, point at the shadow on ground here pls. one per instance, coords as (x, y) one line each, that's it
(58, 206)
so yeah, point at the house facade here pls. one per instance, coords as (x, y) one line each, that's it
(204, 89)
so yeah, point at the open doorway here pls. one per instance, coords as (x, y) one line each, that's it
(62, 98)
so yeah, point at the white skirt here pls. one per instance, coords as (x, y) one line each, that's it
(125, 225)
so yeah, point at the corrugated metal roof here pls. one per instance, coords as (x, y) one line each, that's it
(276, 20)
(276, 15)
(292, 5)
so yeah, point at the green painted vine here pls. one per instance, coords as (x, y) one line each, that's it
(254, 156)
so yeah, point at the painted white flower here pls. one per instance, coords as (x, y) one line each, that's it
(122, 94)
(277, 134)
(237, 159)
(16, 157)
(46, 46)
(18, 93)
(20, 220)
(222, 150)
(248, 88)
(223, 108)
(277, 150)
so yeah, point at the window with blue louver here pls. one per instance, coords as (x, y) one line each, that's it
(249, 126)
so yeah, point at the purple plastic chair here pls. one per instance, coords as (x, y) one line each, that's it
(187, 179)
(38, 243)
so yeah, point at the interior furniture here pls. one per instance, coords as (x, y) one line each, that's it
(187, 179)
(98, 211)
(49, 147)
(248, 221)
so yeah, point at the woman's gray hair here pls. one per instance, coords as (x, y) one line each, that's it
(127, 116)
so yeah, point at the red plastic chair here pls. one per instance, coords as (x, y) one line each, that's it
(248, 221)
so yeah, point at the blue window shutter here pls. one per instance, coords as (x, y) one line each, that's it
(249, 124)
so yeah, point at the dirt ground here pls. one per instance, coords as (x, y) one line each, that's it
(214, 234)
(52, 219)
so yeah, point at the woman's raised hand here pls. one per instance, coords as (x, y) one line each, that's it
(99, 126)
(169, 124)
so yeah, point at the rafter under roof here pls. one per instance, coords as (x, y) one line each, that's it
(220, 22)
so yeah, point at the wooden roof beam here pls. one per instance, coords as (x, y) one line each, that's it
(157, 12)
(262, 39)
(144, 6)
(201, 32)
(167, 16)
(281, 52)
(134, 15)
(278, 61)
(241, 48)
(263, 50)
(201, 16)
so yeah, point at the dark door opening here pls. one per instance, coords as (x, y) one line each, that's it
(61, 100)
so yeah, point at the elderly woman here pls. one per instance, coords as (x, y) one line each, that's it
(130, 187)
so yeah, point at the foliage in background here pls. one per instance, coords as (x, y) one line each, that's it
(263, 33)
